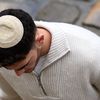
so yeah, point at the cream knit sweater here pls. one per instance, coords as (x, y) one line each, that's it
(71, 70)
(75, 74)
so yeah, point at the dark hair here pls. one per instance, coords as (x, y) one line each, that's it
(18, 52)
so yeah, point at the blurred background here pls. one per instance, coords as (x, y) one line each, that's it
(85, 13)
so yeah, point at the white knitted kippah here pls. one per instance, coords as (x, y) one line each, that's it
(11, 31)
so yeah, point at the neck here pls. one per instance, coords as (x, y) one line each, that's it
(47, 41)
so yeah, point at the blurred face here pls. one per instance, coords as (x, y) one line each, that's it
(26, 65)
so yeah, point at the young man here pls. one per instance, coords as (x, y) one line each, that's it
(52, 61)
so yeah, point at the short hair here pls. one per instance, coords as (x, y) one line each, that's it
(13, 54)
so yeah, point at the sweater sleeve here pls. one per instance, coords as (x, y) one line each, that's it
(6, 92)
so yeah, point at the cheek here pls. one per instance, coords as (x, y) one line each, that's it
(32, 62)
(31, 65)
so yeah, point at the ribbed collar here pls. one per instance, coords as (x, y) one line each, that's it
(59, 44)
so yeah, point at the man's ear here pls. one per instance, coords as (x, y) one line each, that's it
(39, 40)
